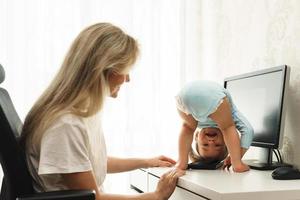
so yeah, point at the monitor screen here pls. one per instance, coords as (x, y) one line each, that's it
(259, 97)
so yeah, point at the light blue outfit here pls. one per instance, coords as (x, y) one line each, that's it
(202, 98)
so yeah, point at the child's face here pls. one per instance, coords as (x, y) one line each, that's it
(210, 142)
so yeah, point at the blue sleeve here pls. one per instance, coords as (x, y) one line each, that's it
(242, 124)
(244, 127)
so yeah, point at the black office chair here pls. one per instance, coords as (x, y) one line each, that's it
(17, 182)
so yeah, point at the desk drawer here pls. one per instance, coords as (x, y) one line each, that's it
(179, 193)
(139, 180)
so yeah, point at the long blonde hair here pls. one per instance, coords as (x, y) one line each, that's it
(80, 85)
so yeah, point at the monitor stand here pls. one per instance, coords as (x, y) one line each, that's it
(266, 161)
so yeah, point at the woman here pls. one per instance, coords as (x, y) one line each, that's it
(62, 134)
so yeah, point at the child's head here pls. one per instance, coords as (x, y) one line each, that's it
(208, 145)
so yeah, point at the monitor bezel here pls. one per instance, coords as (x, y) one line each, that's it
(283, 90)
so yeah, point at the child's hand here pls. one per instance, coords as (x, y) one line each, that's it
(227, 163)
(181, 166)
(241, 167)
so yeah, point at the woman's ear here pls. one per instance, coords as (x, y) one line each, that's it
(106, 73)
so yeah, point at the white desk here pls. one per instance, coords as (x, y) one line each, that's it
(221, 185)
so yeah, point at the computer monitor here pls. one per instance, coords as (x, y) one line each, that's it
(260, 97)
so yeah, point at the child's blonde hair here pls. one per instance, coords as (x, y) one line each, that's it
(195, 156)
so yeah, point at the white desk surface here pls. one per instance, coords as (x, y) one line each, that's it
(227, 185)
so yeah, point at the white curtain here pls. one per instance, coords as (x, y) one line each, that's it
(142, 121)
(180, 40)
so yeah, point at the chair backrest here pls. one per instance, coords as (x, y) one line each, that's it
(17, 180)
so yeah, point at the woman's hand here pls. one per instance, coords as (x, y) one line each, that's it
(161, 161)
(167, 184)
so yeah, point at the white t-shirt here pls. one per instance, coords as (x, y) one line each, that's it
(72, 144)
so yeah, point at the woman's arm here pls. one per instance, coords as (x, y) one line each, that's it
(189, 125)
(86, 180)
(115, 165)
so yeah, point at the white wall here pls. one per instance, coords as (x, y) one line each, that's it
(142, 121)
(242, 36)
(216, 39)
